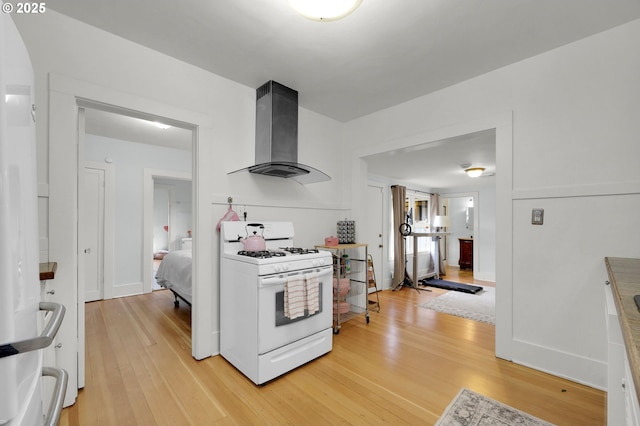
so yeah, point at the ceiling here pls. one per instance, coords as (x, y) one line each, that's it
(383, 54)
(440, 164)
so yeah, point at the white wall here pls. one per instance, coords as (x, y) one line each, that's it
(129, 159)
(573, 151)
(72, 59)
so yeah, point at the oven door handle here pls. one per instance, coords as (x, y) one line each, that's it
(273, 281)
(281, 279)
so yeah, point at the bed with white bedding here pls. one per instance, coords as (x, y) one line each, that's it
(174, 273)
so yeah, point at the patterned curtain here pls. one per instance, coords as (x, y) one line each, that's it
(398, 196)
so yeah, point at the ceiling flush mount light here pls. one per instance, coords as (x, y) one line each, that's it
(325, 10)
(474, 172)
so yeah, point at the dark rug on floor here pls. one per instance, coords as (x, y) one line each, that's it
(448, 285)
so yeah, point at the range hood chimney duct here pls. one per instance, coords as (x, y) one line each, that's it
(277, 136)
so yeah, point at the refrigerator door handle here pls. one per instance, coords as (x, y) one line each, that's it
(44, 339)
(55, 408)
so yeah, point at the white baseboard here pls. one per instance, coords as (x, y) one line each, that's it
(131, 289)
(579, 369)
(485, 276)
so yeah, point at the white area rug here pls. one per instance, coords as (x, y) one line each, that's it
(478, 307)
(472, 409)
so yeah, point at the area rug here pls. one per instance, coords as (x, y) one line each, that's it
(472, 409)
(478, 307)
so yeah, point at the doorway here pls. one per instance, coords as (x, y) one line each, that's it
(179, 215)
(501, 125)
(374, 228)
(114, 258)
(68, 97)
(138, 151)
(463, 224)
(436, 167)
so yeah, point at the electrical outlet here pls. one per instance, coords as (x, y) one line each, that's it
(537, 216)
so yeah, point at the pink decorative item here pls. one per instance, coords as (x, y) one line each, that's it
(230, 215)
(344, 307)
(254, 242)
(344, 287)
(331, 241)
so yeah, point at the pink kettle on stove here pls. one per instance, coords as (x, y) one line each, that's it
(254, 242)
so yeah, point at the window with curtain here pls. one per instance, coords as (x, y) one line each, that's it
(417, 204)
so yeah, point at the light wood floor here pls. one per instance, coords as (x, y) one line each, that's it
(404, 367)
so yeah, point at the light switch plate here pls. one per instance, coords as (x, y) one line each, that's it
(537, 216)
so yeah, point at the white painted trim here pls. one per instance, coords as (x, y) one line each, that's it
(131, 289)
(580, 369)
(221, 199)
(43, 190)
(81, 265)
(65, 96)
(485, 277)
(504, 235)
(586, 190)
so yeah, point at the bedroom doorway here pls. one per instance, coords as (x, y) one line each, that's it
(168, 213)
(139, 150)
(458, 206)
(68, 99)
(135, 147)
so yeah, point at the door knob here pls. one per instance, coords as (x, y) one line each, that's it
(379, 245)
(87, 251)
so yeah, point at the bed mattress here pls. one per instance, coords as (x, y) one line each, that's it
(174, 273)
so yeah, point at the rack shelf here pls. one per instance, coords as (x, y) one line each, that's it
(357, 295)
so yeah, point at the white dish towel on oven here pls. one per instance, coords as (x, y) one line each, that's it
(313, 293)
(294, 296)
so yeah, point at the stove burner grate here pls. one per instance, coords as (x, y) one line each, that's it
(298, 250)
(263, 254)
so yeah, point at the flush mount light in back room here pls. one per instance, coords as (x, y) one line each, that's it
(474, 172)
(325, 10)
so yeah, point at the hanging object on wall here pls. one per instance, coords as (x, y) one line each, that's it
(230, 215)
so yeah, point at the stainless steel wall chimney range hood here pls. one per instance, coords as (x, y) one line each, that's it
(277, 136)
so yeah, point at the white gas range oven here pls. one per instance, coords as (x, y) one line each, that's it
(264, 332)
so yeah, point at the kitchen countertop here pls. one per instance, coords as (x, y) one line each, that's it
(624, 276)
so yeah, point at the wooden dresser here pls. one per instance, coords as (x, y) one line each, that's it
(466, 253)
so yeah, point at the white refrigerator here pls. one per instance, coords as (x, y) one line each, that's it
(27, 325)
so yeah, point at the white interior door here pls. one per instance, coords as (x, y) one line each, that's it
(374, 229)
(161, 217)
(92, 232)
